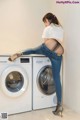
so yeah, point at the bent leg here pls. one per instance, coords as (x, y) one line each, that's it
(37, 50)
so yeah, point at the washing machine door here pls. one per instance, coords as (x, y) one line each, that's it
(14, 81)
(45, 81)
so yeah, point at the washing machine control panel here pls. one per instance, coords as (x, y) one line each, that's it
(24, 60)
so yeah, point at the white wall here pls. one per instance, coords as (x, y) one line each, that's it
(69, 16)
(72, 61)
(21, 24)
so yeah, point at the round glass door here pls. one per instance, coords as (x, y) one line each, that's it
(14, 81)
(46, 81)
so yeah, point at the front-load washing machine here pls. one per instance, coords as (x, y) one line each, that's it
(15, 85)
(44, 95)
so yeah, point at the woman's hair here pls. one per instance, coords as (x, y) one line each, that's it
(51, 18)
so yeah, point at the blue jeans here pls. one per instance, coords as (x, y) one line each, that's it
(56, 65)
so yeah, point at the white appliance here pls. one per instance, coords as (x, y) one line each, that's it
(15, 85)
(44, 95)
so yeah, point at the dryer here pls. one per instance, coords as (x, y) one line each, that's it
(15, 85)
(44, 94)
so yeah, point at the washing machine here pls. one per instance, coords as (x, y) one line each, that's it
(15, 85)
(44, 94)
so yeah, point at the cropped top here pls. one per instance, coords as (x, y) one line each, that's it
(54, 31)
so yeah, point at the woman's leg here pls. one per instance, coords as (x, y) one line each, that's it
(37, 50)
(56, 65)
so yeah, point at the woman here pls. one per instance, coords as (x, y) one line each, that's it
(53, 49)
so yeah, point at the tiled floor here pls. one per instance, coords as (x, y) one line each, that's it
(45, 114)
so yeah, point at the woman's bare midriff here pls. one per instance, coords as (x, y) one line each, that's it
(51, 43)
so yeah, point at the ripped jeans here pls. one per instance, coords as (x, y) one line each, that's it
(56, 65)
